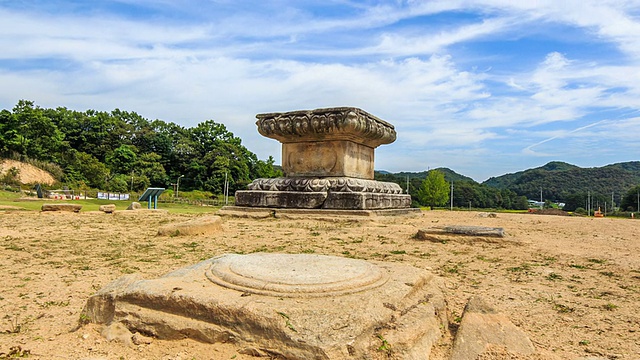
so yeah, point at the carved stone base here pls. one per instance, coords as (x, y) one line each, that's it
(321, 200)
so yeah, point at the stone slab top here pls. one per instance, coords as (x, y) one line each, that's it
(339, 123)
(294, 275)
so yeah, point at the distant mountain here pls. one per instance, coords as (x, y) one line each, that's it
(449, 175)
(559, 180)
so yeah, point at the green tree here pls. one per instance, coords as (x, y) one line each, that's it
(434, 190)
(39, 137)
(122, 159)
(630, 200)
(84, 168)
(9, 139)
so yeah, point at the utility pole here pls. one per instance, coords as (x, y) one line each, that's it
(451, 195)
(613, 203)
(178, 185)
(541, 203)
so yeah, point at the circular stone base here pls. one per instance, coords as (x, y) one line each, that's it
(294, 275)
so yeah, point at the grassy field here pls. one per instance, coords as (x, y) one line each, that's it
(14, 201)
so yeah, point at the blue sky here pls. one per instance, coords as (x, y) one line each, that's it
(482, 87)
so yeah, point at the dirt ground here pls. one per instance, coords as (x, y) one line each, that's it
(571, 283)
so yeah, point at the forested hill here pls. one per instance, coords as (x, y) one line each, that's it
(560, 181)
(120, 151)
(449, 175)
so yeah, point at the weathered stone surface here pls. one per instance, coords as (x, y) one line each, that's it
(483, 328)
(333, 214)
(328, 161)
(198, 226)
(327, 158)
(61, 207)
(342, 123)
(366, 201)
(110, 208)
(322, 200)
(465, 230)
(134, 206)
(319, 184)
(117, 332)
(293, 306)
(280, 199)
(327, 142)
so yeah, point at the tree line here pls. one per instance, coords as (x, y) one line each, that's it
(119, 151)
(433, 188)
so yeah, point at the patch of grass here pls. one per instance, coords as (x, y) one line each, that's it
(191, 246)
(577, 266)
(287, 321)
(398, 252)
(596, 261)
(385, 346)
(553, 276)
(563, 309)
(609, 306)
(608, 273)
(308, 251)
(490, 260)
(522, 268)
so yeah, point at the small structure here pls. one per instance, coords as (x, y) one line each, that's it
(598, 213)
(151, 196)
(328, 161)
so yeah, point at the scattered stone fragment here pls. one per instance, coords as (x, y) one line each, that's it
(487, 215)
(61, 207)
(134, 206)
(482, 330)
(435, 234)
(109, 209)
(139, 339)
(197, 226)
(117, 332)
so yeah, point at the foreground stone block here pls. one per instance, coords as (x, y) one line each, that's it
(295, 306)
(198, 226)
(61, 207)
(483, 329)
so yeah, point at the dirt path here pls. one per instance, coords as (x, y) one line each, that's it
(573, 284)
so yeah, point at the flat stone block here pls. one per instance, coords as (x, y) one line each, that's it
(294, 306)
(61, 207)
(280, 199)
(198, 226)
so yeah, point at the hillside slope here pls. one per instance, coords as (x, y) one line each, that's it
(28, 174)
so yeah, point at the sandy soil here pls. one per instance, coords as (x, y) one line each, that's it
(28, 174)
(573, 284)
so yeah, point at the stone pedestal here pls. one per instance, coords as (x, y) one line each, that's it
(291, 306)
(328, 160)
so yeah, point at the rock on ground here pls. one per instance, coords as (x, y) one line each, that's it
(199, 226)
(61, 207)
(483, 330)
